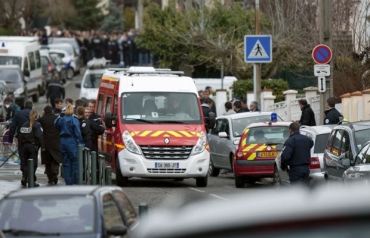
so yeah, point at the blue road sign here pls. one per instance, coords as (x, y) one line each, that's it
(257, 49)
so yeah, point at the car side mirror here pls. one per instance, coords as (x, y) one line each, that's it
(26, 72)
(223, 135)
(78, 85)
(279, 147)
(117, 231)
(108, 120)
(211, 120)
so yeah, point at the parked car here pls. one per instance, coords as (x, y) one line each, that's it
(72, 211)
(5, 92)
(359, 167)
(76, 62)
(256, 152)
(345, 138)
(67, 61)
(319, 135)
(224, 138)
(71, 41)
(334, 211)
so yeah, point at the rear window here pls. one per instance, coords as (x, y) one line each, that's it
(241, 123)
(320, 143)
(92, 80)
(267, 135)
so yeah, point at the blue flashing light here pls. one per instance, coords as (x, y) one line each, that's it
(273, 117)
(3, 44)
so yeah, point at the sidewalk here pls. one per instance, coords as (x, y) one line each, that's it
(10, 177)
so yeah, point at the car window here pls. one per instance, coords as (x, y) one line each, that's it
(108, 105)
(126, 205)
(111, 214)
(224, 126)
(10, 75)
(115, 109)
(330, 140)
(337, 142)
(363, 157)
(31, 56)
(10, 60)
(26, 63)
(345, 144)
(271, 135)
(38, 62)
(100, 104)
(362, 137)
(44, 60)
(217, 127)
(92, 80)
(320, 143)
(241, 123)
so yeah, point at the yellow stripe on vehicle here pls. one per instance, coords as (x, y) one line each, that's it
(249, 147)
(252, 156)
(119, 146)
(185, 133)
(246, 131)
(262, 147)
(133, 133)
(145, 133)
(157, 133)
(174, 133)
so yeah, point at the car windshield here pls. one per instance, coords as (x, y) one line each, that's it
(10, 75)
(320, 143)
(56, 59)
(160, 107)
(48, 214)
(11, 60)
(241, 123)
(92, 80)
(267, 135)
(69, 41)
(362, 137)
(60, 47)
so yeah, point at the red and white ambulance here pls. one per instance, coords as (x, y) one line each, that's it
(154, 125)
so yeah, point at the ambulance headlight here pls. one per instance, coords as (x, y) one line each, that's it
(201, 144)
(130, 143)
(19, 90)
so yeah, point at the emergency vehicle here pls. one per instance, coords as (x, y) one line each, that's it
(154, 125)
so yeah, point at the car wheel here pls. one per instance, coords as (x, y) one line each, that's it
(70, 73)
(250, 181)
(179, 179)
(202, 182)
(120, 179)
(35, 97)
(214, 172)
(239, 182)
(277, 180)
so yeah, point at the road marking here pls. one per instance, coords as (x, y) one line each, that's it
(197, 190)
(219, 197)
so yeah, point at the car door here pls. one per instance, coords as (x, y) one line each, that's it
(126, 206)
(332, 152)
(335, 153)
(111, 213)
(224, 144)
(345, 147)
(213, 141)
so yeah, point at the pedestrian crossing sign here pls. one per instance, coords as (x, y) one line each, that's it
(257, 49)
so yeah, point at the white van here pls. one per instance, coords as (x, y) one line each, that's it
(24, 52)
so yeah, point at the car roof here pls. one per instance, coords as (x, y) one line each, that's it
(358, 125)
(323, 129)
(10, 66)
(260, 124)
(60, 44)
(245, 114)
(59, 51)
(56, 191)
(257, 207)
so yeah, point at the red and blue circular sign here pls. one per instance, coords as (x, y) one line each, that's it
(321, 54)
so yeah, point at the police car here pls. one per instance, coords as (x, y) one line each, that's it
(256, 152)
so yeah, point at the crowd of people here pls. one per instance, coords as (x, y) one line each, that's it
(58, 132)
(119, 46)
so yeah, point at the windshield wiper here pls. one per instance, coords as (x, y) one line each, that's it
(17, 232)
(174, 122)
(139, 119)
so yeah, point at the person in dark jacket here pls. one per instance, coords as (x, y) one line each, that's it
(70, 138)
(85, 126)
(253, 107)
(58, 106)
(238, 107)
(30, 136)
(11, 109)
(297, 155)
(96, 125)
(308, 116)
(332, 116)
(55, 90)
(97, 45)
(208, 114)
(51, 157)
(206, 94)
(19, 119)
(244, 105)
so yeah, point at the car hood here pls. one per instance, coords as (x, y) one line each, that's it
(89, 93)
(165, 134)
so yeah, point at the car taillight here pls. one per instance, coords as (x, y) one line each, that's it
(314, 163)
(239, 154)
(50, 68)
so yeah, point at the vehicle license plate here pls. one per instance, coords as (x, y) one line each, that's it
(268, 154)
(160, 165)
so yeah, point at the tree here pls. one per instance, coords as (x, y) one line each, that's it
(88, 15)
(114, 20)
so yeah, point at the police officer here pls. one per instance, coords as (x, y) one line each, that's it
(85, 126)
(97, 45)
(331, 114)
(31, 138)
(297, 155)
(55, 90)
(19, 119)
(70, 138)
(96, 125)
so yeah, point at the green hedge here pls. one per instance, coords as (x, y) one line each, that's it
(278, 86)
(7, 31)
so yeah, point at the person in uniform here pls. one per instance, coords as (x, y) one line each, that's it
(55, 90)
(31, 138)
(332, 116)
(85, 126)
(307, 116)
(51, 157)
(297, 155)
(70, 138)
(96, 125)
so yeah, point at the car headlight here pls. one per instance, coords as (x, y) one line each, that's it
(19, 91)
(201, 144)
(130, 143)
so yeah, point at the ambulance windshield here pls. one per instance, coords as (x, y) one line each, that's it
(10, 60)
(160, 107)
